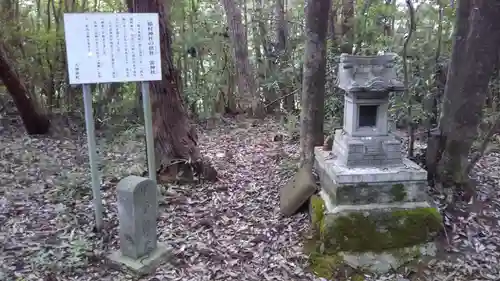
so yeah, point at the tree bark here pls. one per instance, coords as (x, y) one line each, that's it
(332, 50)
(473, 60)
(431, 103)
(175, 138)
(248, 94)
(408, 95)
(34, 121)
(313, 85)
(284, 56)
(347, 26)
(267, 64)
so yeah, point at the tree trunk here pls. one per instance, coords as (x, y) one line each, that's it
(258, 42)
(34, 121)
(432, 102)
(473, 60)
(332, 51)
(268, 62)
(347, 26)
(284, 56)
(248, 94)
(175, 138)
(313, 85)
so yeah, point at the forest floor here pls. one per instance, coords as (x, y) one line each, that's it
(228, 230)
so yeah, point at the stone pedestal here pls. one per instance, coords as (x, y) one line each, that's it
(374, 218)
(366, 151)
(372, 211)
(362, 186)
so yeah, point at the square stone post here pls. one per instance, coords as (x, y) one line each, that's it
(137, 212)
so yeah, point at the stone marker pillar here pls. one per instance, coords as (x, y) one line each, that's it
(137, 212)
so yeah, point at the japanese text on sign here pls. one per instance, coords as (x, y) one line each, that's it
(112, 47)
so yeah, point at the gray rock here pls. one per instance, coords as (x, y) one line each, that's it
(297, 191)
(384, 262)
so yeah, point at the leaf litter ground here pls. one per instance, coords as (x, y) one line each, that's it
(229, 230)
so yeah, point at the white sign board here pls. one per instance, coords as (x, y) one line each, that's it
(112, 47)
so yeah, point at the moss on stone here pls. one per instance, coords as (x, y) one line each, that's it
(383, 231)
(361, 232)
(318, 214)
(320, 263)
(407, 253)
(398, 192)
(358, 277)
(325, 265)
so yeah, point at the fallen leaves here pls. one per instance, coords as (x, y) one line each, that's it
(228, 230)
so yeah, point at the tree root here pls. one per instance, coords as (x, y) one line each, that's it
(185, 172)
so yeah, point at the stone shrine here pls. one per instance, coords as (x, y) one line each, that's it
(137, 212)
(372, 210)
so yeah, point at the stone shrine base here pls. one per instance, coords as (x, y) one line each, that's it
(141, 266)
(406, 182)
(372, 219)
(382, 262)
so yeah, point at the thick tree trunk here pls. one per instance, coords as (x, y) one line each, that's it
(175, 138)
(248, 94)
(34, 122)
(313, 85)
(475, 53)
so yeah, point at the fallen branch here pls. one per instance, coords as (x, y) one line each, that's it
(282, 97)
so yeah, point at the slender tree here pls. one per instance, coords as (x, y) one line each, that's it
(283, 50)
(313, 85)
(347, 26)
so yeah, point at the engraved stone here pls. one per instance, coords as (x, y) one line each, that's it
(137, 213)
(137, 209)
